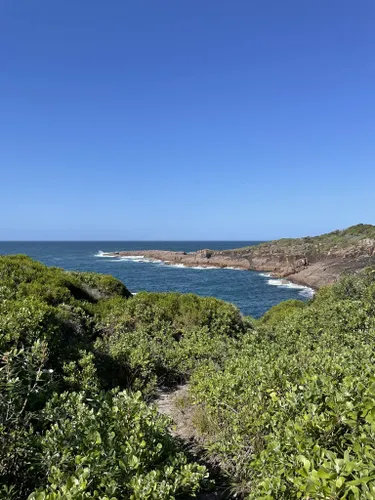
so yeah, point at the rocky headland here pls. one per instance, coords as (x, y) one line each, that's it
(310, 261)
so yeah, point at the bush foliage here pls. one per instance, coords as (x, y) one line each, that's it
(66, 340)
(285, 404)
(292, 413)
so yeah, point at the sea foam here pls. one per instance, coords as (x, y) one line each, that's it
(305, 291)
(132, 258)
(103, 254)
(203, 267)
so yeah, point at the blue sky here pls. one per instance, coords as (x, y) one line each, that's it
(167, 119)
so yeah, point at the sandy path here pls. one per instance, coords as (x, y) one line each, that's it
(174, 404)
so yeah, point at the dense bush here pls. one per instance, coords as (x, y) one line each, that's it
(111, 446)
(285, 404)
(292, 413)
(150, 340)
(157, 339)
(24, 385)
(279, 312)
(20, 276)
(82, 333)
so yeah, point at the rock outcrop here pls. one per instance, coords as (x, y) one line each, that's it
(311, 261)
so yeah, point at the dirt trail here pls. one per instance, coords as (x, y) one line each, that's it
(174, 404)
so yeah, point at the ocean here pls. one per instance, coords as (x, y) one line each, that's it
(252, 292)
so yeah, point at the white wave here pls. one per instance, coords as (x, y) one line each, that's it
(184, 266)
(139, 259)
(276, 282)
(131, 257)
(103, 254)
(203, 267)
(123, 259)
(134, 258)
(144, 260)
(305, 291)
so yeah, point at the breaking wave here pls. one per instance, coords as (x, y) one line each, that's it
(305, 291)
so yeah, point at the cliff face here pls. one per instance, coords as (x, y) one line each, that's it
(311, 261)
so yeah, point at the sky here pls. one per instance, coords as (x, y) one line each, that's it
(185, 119)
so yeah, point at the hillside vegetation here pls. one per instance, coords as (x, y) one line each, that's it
(284, 406)
(315, 246)
(313, 261)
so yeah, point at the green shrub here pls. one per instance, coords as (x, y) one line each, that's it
(25, 384)
(24, 277)
(279, 312)
(292, 412)
(113, 446)
(158, 339)
(78, 331)
(285, 404)
(99, 286)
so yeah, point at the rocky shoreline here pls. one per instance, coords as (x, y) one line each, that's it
(201, 258)
(311, 262)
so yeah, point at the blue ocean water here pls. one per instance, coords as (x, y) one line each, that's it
(254, 293)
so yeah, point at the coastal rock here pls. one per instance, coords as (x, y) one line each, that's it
(309, 261)
(206, 253)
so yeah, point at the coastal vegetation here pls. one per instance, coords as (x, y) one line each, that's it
(79, 359)
(323, 243)
(291, 414)
(283, 406)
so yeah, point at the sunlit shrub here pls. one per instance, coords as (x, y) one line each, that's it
(113, 446)
(291, 415)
